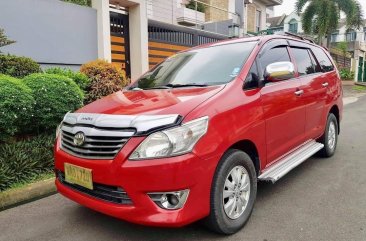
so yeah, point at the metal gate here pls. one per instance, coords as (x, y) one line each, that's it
(120, 40)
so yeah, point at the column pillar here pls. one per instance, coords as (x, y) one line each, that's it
(103, 28)
(138, 38)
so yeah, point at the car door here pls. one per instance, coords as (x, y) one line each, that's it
(282, 104)
(314, 84)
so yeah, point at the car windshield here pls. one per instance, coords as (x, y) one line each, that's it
(199, 67)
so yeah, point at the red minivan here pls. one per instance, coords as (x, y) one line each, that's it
(191, 138)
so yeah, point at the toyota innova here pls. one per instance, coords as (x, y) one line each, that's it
(190, 139)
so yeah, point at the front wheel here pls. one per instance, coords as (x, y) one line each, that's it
(233, 193)
(330, 137)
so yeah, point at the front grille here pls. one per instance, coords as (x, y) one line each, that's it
(99, 143)
(104, 192)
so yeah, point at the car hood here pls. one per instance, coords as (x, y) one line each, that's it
(152, 102)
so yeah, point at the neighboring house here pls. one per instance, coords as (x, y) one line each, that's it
(285, 23)
(257, 14)
(270, 12)
(356, 39)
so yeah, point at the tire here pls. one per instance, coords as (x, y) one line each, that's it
(219, 220)
(331, 132)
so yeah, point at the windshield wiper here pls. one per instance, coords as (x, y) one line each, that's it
(185, 85)
(170, 86)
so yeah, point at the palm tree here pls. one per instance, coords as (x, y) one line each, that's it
(321, 17)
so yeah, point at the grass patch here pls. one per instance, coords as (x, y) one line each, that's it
(359, 88)
(36, 178)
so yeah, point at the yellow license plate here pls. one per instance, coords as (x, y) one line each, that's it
(78, 175)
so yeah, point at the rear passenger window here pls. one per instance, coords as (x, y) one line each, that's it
(279, 54)
(323, 60)
(316, 65)
(303, 61)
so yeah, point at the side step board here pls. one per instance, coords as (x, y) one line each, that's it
(290, 160)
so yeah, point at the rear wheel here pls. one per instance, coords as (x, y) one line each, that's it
(330, 137)
(233, 193)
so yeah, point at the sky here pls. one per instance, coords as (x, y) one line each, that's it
(288, 6)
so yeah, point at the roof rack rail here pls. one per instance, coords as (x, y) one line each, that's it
(297, 36)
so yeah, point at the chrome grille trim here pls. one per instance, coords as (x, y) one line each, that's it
(105, 134)
(98, 144)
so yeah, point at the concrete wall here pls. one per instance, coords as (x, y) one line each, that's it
(51, 32)
(163, 10)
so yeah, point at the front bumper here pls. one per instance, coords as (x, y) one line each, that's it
(138, 178)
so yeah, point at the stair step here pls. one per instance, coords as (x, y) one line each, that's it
(291, 160)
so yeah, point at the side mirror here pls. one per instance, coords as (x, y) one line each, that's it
(279, 71)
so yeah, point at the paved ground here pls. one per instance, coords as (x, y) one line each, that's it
(323, 199)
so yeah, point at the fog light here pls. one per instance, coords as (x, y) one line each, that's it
(170, 200)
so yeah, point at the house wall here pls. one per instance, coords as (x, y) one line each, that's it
(51, 32)
(163, 10)
(290, 17)
(251, 15)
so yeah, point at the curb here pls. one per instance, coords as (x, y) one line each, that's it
(31, 192)
(360, 83)
(348, 82)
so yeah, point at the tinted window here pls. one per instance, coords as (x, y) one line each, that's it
(205, 66)
(315, 63)
(252, 79)
(323, 60)
(303, 61)
(279, 54)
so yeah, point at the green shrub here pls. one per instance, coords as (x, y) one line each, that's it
(55, 95)
(18, 67)
(80, 2)
(16, 106)
(22, 161)
(105, 79)
(347, 74)
(79, 78)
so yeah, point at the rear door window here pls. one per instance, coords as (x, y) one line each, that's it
(323, 59)
(303, 61)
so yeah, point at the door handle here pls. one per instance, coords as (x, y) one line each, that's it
(299, 92)
(325, 84)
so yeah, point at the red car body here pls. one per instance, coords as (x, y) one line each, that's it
(267, 122)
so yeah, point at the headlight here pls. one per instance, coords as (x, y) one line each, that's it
(172, 142)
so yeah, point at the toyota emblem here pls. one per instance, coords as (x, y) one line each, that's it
(79, 139)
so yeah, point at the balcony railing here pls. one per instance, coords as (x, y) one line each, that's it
(189, 17)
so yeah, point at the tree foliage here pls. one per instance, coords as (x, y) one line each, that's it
(80, 2)
(4, 41)
(321, 17)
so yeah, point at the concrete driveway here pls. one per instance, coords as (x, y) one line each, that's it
(323, 199)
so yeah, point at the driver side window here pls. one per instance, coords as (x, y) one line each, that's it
(277, 54)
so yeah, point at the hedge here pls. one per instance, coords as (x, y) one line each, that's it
(55, 95)
(18, 66)
(16, 106)
(105, 79)
(79, 78)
